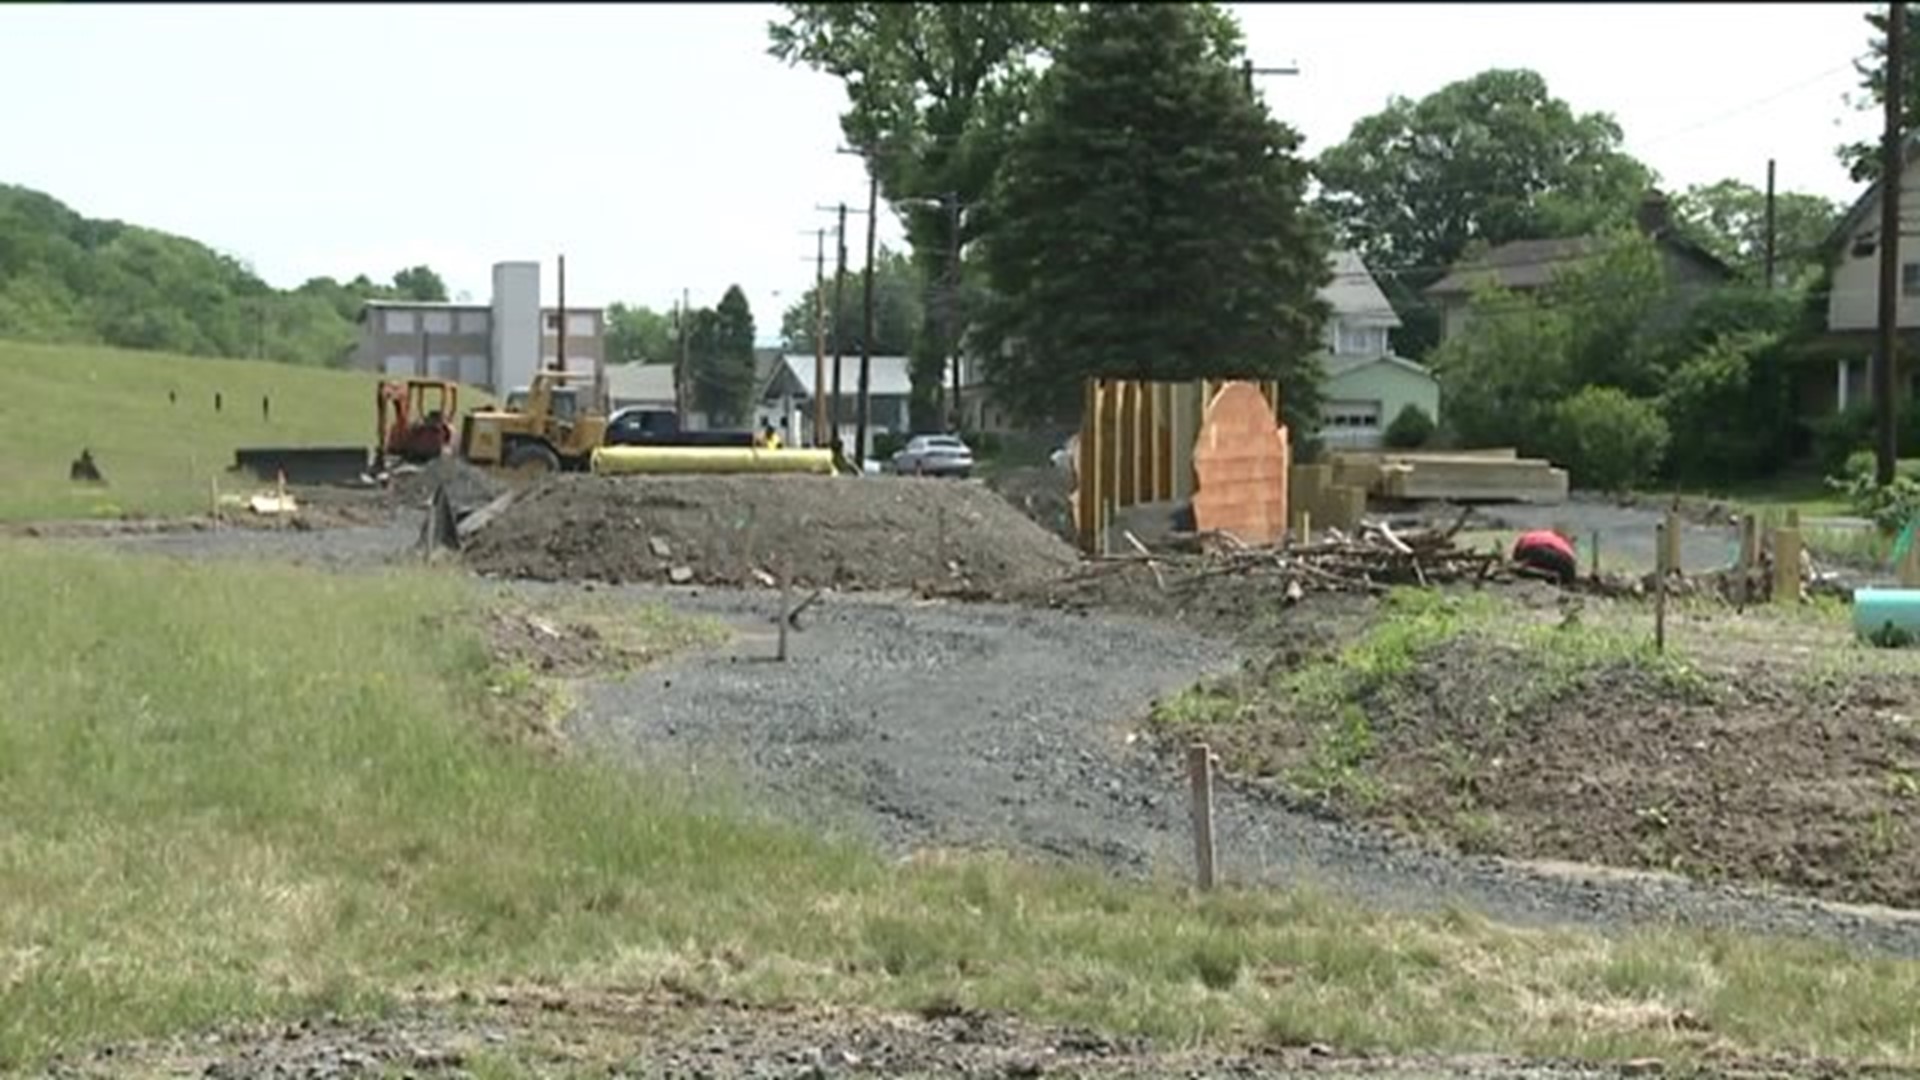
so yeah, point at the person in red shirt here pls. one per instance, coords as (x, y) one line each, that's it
(1549, 552)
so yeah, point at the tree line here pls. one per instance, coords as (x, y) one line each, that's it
(73, 279)
(1132, 208)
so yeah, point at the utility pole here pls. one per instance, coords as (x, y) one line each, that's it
(560, 321)
(1891, 163)
(840, 285)
(1248, 71)
(1770, 227)
(819, 338)
(680, 376)
(951, 315)
(866, 335)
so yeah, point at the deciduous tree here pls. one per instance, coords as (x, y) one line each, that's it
(1862, 158)
(899, 310)
(1150, 222)
(639, 335)
(934, 92)
(1729, 218)
(1492, 158)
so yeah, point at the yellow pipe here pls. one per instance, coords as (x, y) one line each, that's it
(627, 460)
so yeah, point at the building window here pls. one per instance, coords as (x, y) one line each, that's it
(399, 322)
(1350, 415)
(550, 322)
(1910, 279)
(437, 322)
(1360, 340)
(580, 326)
(473, 322)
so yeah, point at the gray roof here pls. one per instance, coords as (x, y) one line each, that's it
(1354, 295)
(887, 376)
(640, 382)
(1522, 264)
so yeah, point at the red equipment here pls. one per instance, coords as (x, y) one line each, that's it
(415, 421)
(1547, 551)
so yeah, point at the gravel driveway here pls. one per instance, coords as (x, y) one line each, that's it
(919, 724)
(956, 725)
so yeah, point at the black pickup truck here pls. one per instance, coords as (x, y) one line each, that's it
(661, 427)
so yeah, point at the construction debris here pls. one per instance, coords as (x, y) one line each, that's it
(1371, 560)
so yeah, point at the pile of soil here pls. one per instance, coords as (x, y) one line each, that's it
(1041, 492)
(875, 533)
(468, 486)
(1752, 772)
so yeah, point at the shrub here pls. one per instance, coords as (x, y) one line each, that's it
(1837, 437)
(886, 444)
(1607, 440)
(1889, 507)
(1410, 430)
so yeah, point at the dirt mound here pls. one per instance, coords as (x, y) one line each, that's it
(1043, 493)
(1739, 768)
(469, 486)
(867, 533)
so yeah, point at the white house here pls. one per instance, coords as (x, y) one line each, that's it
(1366, 385)
(787, 398)
(1853, 302)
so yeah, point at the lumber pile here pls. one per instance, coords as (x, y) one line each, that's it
(1371, 559)
(1455, 476)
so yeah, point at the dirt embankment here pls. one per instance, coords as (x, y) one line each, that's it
(1765, 765)
(875, 533)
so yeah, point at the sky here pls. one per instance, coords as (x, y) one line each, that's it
(661, 150)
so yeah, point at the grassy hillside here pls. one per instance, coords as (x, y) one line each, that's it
(74, 279)
(157, 456)
(217, 812)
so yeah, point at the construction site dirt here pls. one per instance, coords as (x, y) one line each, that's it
(611, 1034)
(922, 723)
(877, 533)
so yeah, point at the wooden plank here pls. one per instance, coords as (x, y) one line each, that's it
(1087, 471)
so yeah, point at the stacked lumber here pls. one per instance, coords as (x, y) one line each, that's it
(1370, 559)
(1463, 476)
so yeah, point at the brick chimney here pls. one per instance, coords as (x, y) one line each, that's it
(1651, 215)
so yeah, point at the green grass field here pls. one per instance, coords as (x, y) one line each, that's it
(246, 791)
(158, 458)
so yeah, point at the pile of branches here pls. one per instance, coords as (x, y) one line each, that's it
(1372, 559)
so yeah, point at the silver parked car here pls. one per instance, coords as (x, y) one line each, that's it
(934, 455)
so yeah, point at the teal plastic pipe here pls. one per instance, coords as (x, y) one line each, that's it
(1888, 613)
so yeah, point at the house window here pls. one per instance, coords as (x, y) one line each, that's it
(399, 322)
(1351, 415)
(1910, 279)
(1360, 340)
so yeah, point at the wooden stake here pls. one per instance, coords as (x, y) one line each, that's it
(1595, 557)
(786, 609)
(1200, 773)
(1786, 563)
(1660, 534)
(1670, 546)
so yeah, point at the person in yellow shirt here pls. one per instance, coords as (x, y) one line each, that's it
(769, 439)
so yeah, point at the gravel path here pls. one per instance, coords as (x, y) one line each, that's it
(951, 724)
(956, 725)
